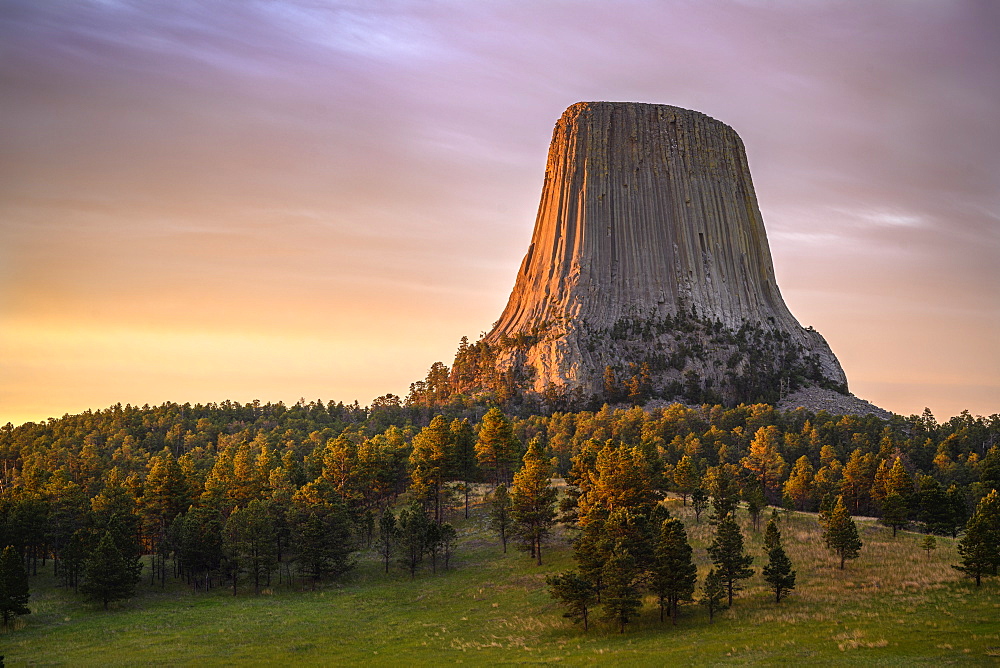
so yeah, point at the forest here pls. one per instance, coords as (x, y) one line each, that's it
(255, 496)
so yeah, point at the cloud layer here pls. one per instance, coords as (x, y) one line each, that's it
(267, 200)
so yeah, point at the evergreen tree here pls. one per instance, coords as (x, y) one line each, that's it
(412, 537)
(14, 591)
(699, 501)
(979, 548)
(799, 485)
(322, 538)
(712, 593)
(772, 535)
(841, 534)
(496, 447)
(462, 459)
(109, 575)
(250, 542)
(928, 544)
(499, 507)
(900, 482)
(428, 461)
(533, 500)
(755, 504)
(725, 491)
(764, 462)
(778, 573)
(576, 593)
(621, 596)
(674, 573)
(449, 537)
(198, 544)
(894, 512)
(726, 552)
(387, 532)
(685, 478)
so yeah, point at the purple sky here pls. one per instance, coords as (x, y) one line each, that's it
(212, 200)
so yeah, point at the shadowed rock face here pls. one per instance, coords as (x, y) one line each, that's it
(649, 258)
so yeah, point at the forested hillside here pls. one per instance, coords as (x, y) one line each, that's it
(257, 495)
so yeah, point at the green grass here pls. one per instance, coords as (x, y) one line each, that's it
(893, 606)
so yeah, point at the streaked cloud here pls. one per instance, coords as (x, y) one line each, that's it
(367, 173)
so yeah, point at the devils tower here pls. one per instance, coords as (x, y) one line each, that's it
(648, 274)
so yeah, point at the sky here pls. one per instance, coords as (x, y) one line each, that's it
(285, 199)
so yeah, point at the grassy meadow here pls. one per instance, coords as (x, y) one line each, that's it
(892, 606)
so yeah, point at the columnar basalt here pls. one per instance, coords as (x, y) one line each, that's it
(648, 273)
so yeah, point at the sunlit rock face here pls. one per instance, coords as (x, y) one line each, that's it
(649, 259)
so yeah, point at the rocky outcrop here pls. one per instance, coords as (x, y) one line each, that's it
(648, 271)
(817, 399)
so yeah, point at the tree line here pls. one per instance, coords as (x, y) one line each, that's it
(249, 495)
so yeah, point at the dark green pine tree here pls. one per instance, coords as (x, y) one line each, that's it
(841, 534)
(725, 491)
(412, 537)
(979, 548)
(462, 464)
(499, 508)
(323, 541)
(574, 592)
(621, 596)
(894, 513)
(713, 591)
(726, 552)
(778, 573)
(250, 544)
(699, 501)
(14, 593)
(674, 573)
(533, 501)
(772, 535)
(109, 575)
(387, 533)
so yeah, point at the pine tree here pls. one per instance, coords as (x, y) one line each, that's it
(685, 478)
(198, 543)
(778, 573)
(14, 591)
(533, 500)
(799, 485)
(412, 537)
(496, 447)
(841, 534)
(576, 593)
(109, 575)
(726, 552)
(725, 491)
(928, 544)
(449, 537)
(754, 497)
(428, 462)
(894, 512)
(387, 531)
(772, 535)
(979, 548)
(713, 591)
(250, 543)
(699, 501)
(621, 597)
(499, 506)
(674, 573)
(764, 462)
(462, 459)
(322, 538)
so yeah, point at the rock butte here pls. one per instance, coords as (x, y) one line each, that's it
(649, 248)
